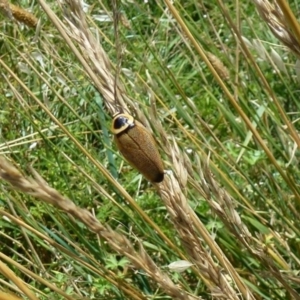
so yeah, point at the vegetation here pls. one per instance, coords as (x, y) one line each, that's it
(216, 83)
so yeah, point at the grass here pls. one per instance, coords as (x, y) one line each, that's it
(217, 84)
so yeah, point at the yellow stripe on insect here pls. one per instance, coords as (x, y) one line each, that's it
(138, 146)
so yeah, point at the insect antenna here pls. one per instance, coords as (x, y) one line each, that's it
(116, 18)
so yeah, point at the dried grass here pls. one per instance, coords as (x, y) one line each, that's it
(192, 232)
(209, 261)
(18, 13)
(272, 14)
(38, 188)
(5, 296)
(10, 275)
(219, 66)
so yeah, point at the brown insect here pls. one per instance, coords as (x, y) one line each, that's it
(138, 146)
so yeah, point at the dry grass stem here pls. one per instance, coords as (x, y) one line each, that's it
(38, 188)
(233, 215)
(23, 16)
(10, 275)
(180, 214)
(219, 66)
(224, 206)
(5, 296)
(13, 11)
(21, 268)
(275, 19)
(112, 90)
(81, 33)
(171, 191)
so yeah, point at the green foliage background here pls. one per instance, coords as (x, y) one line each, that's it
(248, 142)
